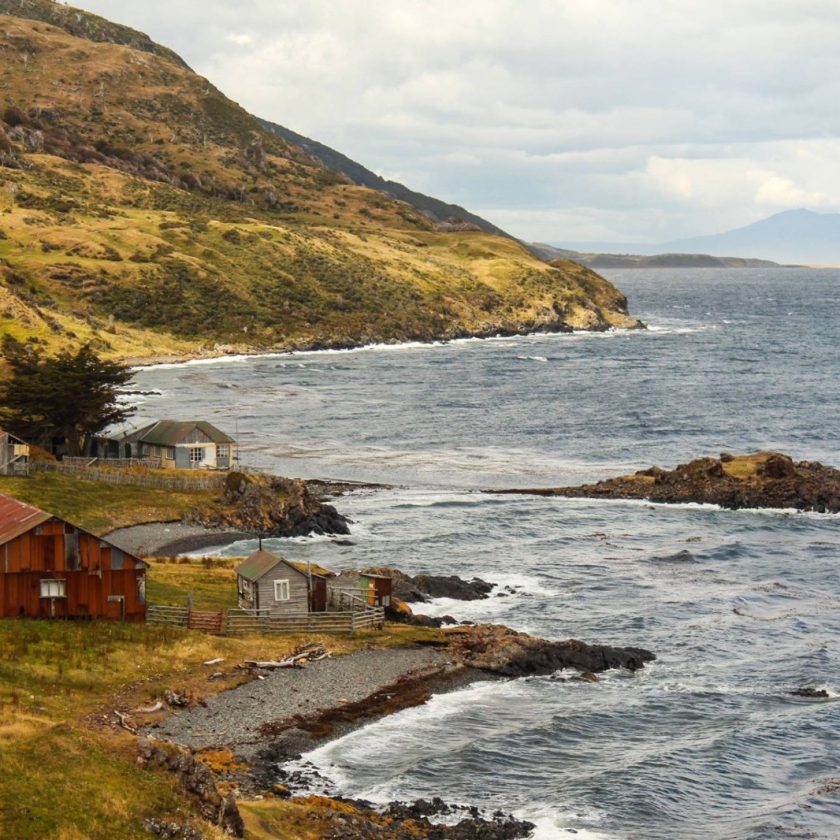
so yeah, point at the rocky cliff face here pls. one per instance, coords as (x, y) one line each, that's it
(760, 480)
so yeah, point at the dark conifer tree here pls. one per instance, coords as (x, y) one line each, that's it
(71, 396)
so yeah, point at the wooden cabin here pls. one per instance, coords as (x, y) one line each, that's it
(14, 454)
(361, 587)
(267, 582)
(50, 568)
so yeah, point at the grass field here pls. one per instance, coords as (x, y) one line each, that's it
(99, 506)
(65, 774)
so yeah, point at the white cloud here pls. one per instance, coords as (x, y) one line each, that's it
(645, 119)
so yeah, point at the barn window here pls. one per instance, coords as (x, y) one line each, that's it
(281, 590)
(196, 456)
(53, 588)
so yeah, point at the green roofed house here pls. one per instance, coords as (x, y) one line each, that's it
(184, 444)
(269, 583)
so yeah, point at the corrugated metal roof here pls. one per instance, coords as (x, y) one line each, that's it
(258, 564)
(17, 518)
(127, 428)
(173, 432)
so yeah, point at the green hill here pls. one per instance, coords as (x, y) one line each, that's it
(143, 210)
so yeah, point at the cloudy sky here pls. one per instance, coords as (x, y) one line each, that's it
(559, 120)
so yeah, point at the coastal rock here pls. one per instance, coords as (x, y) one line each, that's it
(420, 588)
(500, 650)
(272, 506)
(196, 779)
(760, 480)
(812, 693)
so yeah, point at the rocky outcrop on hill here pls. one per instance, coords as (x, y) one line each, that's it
(760, 480)
(197, 780)
(272, 506)
(508, 653)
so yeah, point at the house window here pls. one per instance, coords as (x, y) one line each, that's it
(196, 456)
(281, 590)
(53, 589)
(222, 451)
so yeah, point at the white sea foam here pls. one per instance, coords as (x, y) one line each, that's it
(554, 824)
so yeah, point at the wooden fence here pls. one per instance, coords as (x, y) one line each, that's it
(234, 622)
(112, 463)
(211, 481)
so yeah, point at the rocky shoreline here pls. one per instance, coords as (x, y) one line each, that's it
(759, 480)
(268, 722)
(314, 345)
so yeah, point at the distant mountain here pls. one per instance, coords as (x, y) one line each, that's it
(597, 260)
(434, 208)
(793, 236)
(800, 236)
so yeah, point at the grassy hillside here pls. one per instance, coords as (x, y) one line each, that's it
(143, 210)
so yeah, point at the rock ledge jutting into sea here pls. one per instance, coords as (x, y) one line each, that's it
(759, 480)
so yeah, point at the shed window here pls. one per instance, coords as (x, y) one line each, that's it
(53, 589)
(281, 590)
(222, 451)
(196, 455)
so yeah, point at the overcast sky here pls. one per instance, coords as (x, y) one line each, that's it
(559, 120)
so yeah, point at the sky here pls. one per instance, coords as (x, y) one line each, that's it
(558, 120)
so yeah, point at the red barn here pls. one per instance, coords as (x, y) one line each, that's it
(50, 568)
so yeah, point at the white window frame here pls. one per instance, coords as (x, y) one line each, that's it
(223, 451)
(195, 462)
(282, 591)
(53, 588)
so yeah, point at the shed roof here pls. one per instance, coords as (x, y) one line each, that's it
(314, 568)
(258, 564)
(172, 432)
(17, 518)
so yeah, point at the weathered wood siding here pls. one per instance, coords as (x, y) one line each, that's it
(298, 603)
(92, 570)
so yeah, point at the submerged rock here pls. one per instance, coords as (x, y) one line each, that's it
(760, 480)
(807, 691)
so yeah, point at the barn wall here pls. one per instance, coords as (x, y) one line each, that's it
(92, 571)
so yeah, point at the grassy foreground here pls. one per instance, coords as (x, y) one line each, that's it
(67, 772)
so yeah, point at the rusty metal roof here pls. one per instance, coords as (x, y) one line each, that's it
(313, 568)
(17, 518)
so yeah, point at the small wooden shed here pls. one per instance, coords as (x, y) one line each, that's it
(50, 568)
(268, 582)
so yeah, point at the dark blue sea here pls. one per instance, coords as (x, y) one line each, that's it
(707, 742)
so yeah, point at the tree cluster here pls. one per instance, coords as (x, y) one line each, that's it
(68, 398)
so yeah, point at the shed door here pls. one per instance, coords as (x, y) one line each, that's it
(319, 594)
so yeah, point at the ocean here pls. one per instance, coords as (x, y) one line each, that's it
(741, 607)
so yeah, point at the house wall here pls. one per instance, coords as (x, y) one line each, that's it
(92, 571)
(298, 603)
(182, 456)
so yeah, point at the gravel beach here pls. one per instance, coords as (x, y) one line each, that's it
(235, 718)
(163, 539)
